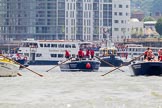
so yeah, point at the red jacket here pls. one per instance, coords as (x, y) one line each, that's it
(92, 52)
(81, 53)
(87, 53)
(67, 54)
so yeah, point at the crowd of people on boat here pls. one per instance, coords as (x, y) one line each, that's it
(149, 56)
(89, 54)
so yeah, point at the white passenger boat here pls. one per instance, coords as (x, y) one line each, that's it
(130, 51)
(8, 68)
(47, 52)
(50, 52)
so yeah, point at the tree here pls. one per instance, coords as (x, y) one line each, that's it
(148, 18)
(158, 26)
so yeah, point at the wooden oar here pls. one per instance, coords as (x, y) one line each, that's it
(122, 66)
(19, 74)
(107, 63)
(22, 65)
(59, 64)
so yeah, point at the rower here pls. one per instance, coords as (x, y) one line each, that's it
(145, 53)
(92, 53)
(150, 55)
(67, 54)
(80, 54)
(160, 54)
(87, 53)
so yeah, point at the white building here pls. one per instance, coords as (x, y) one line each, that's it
(65, 19)
(121, 18)
(136, 27)
(149, 28)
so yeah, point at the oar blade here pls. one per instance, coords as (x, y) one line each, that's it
(19, 74)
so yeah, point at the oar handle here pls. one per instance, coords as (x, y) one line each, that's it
(107, 63)
(19, 74)
(59, 64)
(111, 71)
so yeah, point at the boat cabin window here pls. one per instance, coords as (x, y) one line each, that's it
(60, 45)
(107, 52)
(110, 52)
(20, 53)
(67, 46)
(115, 51)
(54, 55)
(27, 44)
(73, 46)
(46, 45)
(54, 45)
(26, 54)
(38, 55)
(155, 54)
(60, 55)
(73, 55)
(41, 45)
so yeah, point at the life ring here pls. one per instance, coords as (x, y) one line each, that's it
(25, 58)
(88, 66)
(18, 58)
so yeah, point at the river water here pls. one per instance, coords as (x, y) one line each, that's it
(80, 89)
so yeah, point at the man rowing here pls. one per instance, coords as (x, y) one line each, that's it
(148, 55)
(160, 54)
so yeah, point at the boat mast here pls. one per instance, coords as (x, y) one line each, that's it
(109, 39)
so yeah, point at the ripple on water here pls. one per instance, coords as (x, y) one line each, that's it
(80, 89)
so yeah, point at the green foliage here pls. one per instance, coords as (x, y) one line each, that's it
(158, 26)
(148, 18)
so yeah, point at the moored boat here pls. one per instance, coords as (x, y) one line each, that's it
(19, 58)
(80, 65)
(50, 52)
(130, 51)
(8, 68)
(147, 68)
(47, 52)
(109, 54)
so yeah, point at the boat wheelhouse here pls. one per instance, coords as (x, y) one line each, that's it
(108, 55)
(47, 52)
(107, 51)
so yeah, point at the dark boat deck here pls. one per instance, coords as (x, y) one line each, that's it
(81, 65)
(147, 68)
(114, 60)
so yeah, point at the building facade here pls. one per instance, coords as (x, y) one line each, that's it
(121, 20)
(64, 19)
